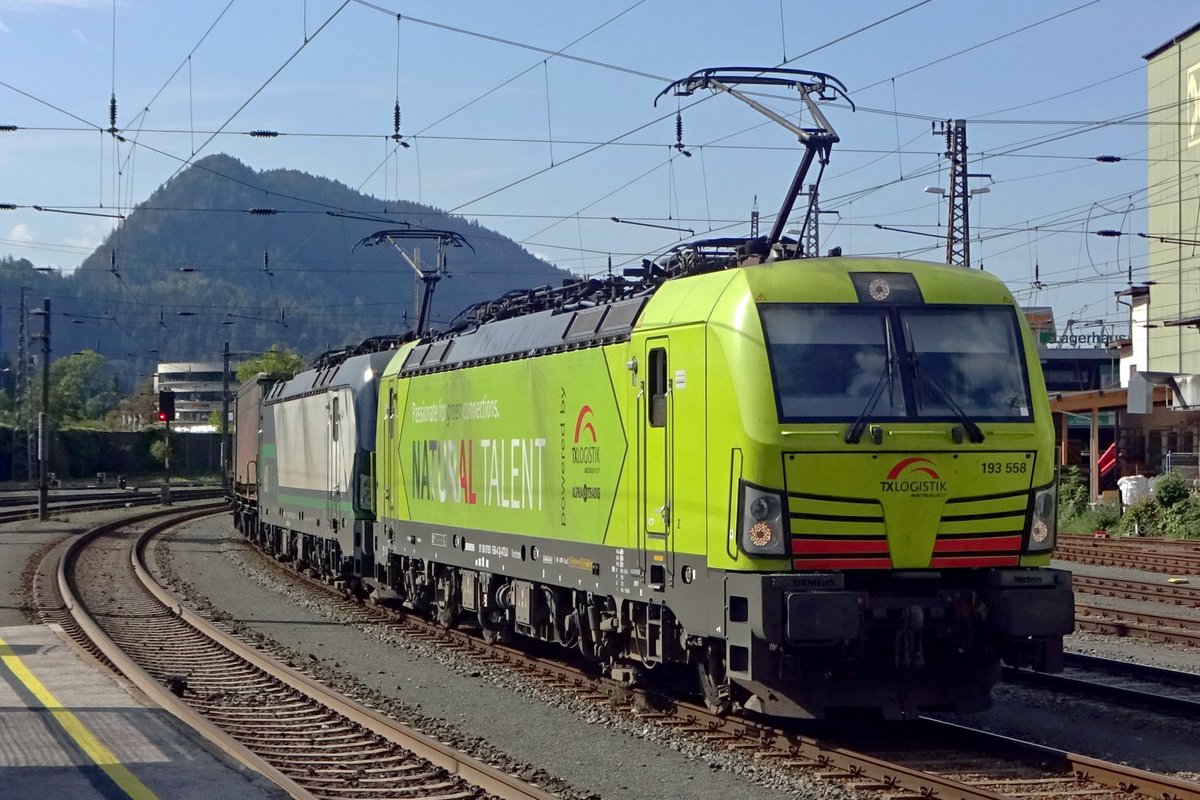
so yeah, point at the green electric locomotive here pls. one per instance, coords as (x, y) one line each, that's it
(819, 483)
(814, 483)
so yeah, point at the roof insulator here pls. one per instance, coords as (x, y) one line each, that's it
(263, 212)
(7, 128)
(1108, 232)
(8, 207)
(262, 134)
(1108, 159)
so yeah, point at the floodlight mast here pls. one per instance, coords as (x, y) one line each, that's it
(818, 141)
(429, 278)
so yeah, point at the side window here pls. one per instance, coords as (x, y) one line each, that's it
(335, 417)
(391, 412)
(658, 388)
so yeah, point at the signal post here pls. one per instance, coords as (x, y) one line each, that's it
(166, 413)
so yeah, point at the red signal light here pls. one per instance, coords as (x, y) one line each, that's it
(166, 406)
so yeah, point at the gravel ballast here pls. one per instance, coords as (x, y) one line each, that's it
(597, 752)
(589, 748)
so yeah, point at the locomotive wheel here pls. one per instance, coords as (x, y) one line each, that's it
(496, 637)
(446, 601)
(717, 696)
(447, 616)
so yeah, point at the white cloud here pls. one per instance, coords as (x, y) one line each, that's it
(3, 27)
(78, 34)
(88, 238)
(21, 233)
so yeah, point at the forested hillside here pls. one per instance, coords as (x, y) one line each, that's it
(222, 252)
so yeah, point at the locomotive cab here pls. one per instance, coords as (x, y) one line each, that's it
(895, 503)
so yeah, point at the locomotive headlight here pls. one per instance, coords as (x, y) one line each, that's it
(764, 507)
(1043, 521)
(763, 532)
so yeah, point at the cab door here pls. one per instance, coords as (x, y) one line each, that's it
(385, 454)
(336, 458)
(656, 463)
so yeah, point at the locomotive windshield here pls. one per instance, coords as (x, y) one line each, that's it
(924, 362)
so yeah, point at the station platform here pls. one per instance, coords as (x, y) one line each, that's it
(70, 729)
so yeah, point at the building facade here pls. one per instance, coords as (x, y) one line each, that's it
(199, 390)
(1147, 420)
(1173, 71)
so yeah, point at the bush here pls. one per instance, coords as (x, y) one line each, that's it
(158, 451)
(1104, 517)
(1072, 497)
(1170, 489)
(1143, 518)
(1182, 520)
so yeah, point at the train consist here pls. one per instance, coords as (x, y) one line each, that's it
(816, 483)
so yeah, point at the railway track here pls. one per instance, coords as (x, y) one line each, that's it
(1152, 688)
(1127, 589)
(310, 741)
(925, 759)
(1182, 558)
(1147, 620)
(1138, 624)
(14, 508)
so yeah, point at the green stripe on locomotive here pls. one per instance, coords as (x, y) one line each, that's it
(644, 443)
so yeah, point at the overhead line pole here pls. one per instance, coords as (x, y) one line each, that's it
(226, 448)
(958, 222)
(44, 417)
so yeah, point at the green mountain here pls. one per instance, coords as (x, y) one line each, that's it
(224, 253)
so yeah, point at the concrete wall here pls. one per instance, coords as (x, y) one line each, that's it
(82, 453)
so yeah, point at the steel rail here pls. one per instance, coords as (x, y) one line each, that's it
(490, 779)
(1125, 695)
(1146, 560)
(769, 741)
(1128, 589)
(1145, 542)
(63, 504)
(1127, 779)
(138, 676)
(1137, 624)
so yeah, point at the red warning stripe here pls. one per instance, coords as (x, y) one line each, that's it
(989, 543)
(842, 563)
(806, 546)
(942, 562)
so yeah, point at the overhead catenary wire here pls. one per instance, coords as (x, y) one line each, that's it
(1000, 155)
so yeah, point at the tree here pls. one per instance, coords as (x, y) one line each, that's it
(82, 387)
(136, 411)
(1170, 489)
(276, 362)
(7, 388)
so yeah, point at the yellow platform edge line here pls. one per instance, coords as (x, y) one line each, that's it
(100, 755)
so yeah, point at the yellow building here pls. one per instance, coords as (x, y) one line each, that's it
(1173, 198)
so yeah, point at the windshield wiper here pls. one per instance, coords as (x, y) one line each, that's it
(973, 432)
(854, 434)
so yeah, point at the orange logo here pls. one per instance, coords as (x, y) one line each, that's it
(583, 423)
(903, 479)
(912, 462)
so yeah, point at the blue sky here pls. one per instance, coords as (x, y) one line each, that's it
(537, 119)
